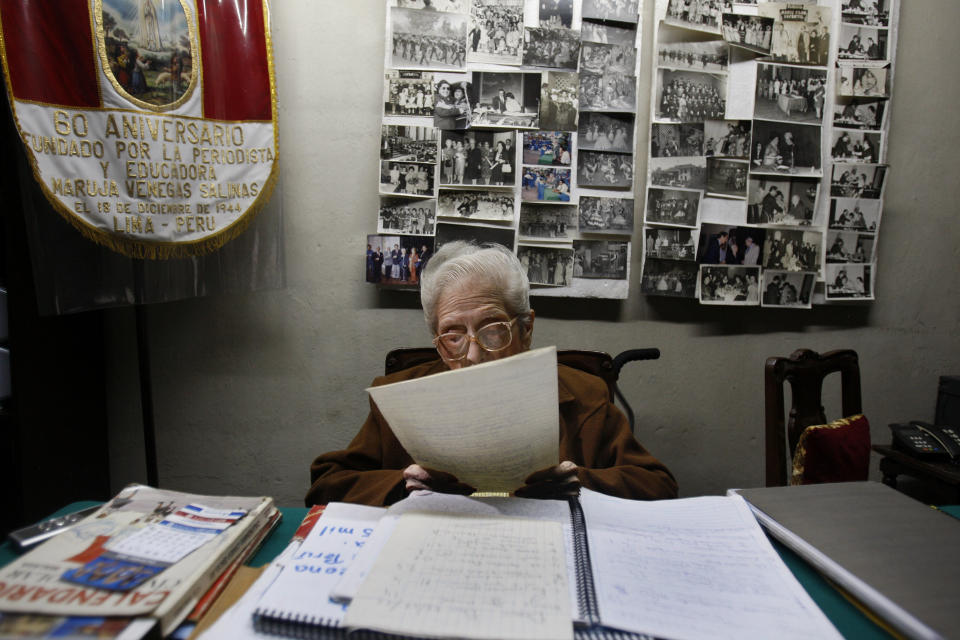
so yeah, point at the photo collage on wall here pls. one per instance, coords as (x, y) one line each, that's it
(767, 146)
(510, 121)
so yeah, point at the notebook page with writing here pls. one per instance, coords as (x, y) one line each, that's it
(694, 568)
(300, 593)
(468, 577)
(443, 503)
(491, 425)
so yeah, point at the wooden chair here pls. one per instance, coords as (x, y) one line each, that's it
(599, 363)
(805, 371)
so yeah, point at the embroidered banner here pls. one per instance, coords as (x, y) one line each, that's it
(151, 125)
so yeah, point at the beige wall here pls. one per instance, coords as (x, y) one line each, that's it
(249, 388)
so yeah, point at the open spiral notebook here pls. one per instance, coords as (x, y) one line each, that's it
(698, 567)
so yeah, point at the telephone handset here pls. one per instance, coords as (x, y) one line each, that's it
(925, 440)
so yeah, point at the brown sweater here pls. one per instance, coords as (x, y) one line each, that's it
(594, 434)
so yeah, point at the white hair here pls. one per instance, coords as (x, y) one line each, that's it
(459, 260)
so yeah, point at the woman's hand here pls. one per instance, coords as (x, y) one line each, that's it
(555, 482)
(417, 477)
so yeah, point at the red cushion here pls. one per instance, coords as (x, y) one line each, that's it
(835, 452)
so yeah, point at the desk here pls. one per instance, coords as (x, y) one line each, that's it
(944, 476)
(788, 103)
(849, 620)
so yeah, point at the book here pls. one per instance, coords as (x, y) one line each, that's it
(94, 569)
(890, 552)
(692, 568)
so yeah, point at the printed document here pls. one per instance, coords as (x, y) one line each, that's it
(491, 424)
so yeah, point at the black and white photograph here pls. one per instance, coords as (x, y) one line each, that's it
(775, 200)
(874, 13)
(478, 158)
(801, 34)
(605, 170)
(495, 31)
(857, 180)
(673, 278)
(450, 6)
(505, 100)
(598, 58)
(550, 148)
(790, 289)
(547, 265)
(425, 39)
(686, 173)
(785, 147)
(606, 132)
(862, 43)
(730, 244)
(613, 10)
(713, 55)
(792, 250)
(406, 216)
(727, 177)
(556, 14)
(490, 206)
(731, 285)
(559, 101)
(862, 82)
(690, 96)
(703, 15)
(551, 48)
(451, 101)
(601, 259)
(408, 94)
(859, 114)
(545, 185)
(607, 33)
(790, 93)
(672, 140)
(407, 178)
(752, 33)
(611, 91)
(479, 233)
(397, 260)
(848, 281)
(408, 144)
(668, 243)
(855, 214)
(606, 215)
(547, 222)
(676, 207)
(852, 145)
(727, 138)
(849, 246)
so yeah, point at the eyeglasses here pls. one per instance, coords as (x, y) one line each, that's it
(492, 337)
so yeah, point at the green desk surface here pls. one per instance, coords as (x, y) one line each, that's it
(847, 618)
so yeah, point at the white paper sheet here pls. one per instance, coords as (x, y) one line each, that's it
(491, 425)
(468, 577)
(694, 568)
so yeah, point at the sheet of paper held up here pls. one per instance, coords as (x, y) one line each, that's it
(694, 568)
(468, 577)
(491, 425)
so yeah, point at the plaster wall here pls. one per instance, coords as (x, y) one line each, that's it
(249, 388)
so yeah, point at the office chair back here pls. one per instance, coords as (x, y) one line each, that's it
(598, 363)
(805, 371)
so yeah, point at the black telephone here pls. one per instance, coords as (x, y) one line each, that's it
(924, 440)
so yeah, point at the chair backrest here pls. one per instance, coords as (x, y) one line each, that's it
(598, 363)
(805, 371)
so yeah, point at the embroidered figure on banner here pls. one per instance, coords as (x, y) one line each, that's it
(148, 50)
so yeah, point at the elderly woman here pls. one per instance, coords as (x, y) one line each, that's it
(477, 305)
